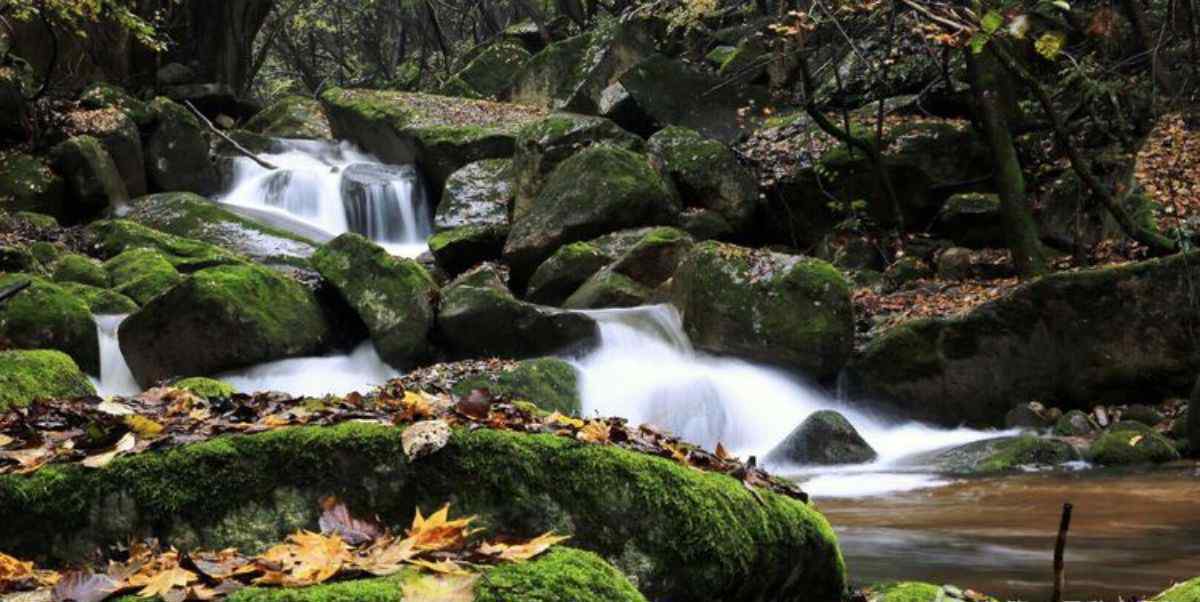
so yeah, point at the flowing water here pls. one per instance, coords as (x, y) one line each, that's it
(335, 188)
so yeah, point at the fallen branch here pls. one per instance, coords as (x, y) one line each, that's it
(11, 291)
(239, 148)
(1059, 578)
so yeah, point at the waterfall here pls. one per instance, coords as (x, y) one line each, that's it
(335, 188)
(115, 377)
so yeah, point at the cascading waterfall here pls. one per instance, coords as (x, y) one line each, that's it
(336, 188)
(115, 377)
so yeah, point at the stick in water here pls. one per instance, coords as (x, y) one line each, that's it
(239, 148)
(1059, 579)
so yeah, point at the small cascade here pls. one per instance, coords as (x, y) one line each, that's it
(316, 376)
(115, 377)
(646, 370)
(335, 188)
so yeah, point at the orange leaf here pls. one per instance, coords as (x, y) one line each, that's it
(439, 533)
(525, 551)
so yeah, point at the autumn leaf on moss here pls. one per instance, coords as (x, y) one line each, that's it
(440, 588)
(387, 556)
(444, 567)
(306, 558)
(16, 575)
(160, 584)
(438, 532)
(595, 432)
(336, 520)
(521, 552)
(558, 419)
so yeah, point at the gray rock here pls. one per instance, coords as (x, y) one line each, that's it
(824, 438)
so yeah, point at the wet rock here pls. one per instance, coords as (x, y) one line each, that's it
(479, 316)
(708, 174)
(565, 271)
(177, 153)
(114, 237)
(101, 300)
(999, 454)
(1075, 424)
(373, 198)
(972, 219)
(783, 309)
(459, 249)
(394, 297)
(608, 288)
(824, 438)
(1131, 443)
(79, 268)
(93, 182)
(291, 117)
(47, 316)
(28, 184)
(479, 194)
(41, 374)
(492, 72)
(141, 274)
(1030, 415)
(1142, 413)
(223, 318)
(550, 383)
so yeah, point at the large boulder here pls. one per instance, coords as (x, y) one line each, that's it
(1131, 443)
(177, 153)
(39, 374)
(999, 454)
(972, 219)
(824, 438)
(222, 318)
(565, 271)
(119, 135)
(550, 383)
(599, 190)
(103, 95)
(708, 174)
(460, 249)
(291, 117)
(439, 133)
(492, 72)
(46, 316)
(394, 297)
(1067, 339)
(480, 317)
(93, 181)
(783, 309)
(113, 237)
(479, 194)
(141, 274)
(649, 259)
(28, 184)
(608, 288)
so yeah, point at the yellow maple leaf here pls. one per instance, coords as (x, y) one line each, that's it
(525, 551)
(438, 532)
(156, 585)
(306, 558)
(595, 432)
(388, 556)
(445, 567)
(440, 588)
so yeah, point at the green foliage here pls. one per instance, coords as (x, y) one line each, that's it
(75, 16)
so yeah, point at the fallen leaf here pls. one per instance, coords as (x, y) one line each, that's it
(440, 588)
(595, 432)
(159, 584)
(445, 567)
(125, 444)
(336, 520)
(438, 532)
(522, 552)
(1135, 440)
(77, 586)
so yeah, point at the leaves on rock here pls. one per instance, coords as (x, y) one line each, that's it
(440, 588)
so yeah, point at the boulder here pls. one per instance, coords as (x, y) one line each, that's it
(19, 259)
(824, 438)
(141, 274)
(1132, 443)
(177, 153)
(113, 237)
(905, 271)
(999, 454)
(39, 374)
(291, 117)
(119, 135)
(479, 194)
(394, 297)
(222, 318)
(459, 249)
(480, 317)
(550, 383)
(1068, 339)
(599, 190)
(28, 184)
(1075, 424)
(209, 388)
(441, 134)
(608, 288)
(93, 182)
(103, 95)
(542, 145)
(492, 72)
(707, 174)
(972, 219)
(783, 309)
(652, 254)
(73, 267)
(565, 271)
(956, 263)
(101, 301)
(46, 316)
(1031, 415)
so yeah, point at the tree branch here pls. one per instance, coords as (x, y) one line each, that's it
(238, 147)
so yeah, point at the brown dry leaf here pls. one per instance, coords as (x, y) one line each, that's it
(387, 557)
(83, 587)
(595, 432)
(28, 460)
(17, 575)
(440, 588)
(1134, 441)
(306, 559)
(125, 444)
(438, 532)
(525, 551)
(721, 453)
(445, 567)
(162, 582)
(336, 520)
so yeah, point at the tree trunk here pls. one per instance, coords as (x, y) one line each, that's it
(1020, 232)
(223, 38)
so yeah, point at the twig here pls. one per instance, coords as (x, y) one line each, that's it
(11, 291)
(1059, 578)
(239, 148)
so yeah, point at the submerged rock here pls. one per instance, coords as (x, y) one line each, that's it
(824, 438)
(1132, 443)
(999, 454)
(782, 309)
(47, 316)
(40, 374)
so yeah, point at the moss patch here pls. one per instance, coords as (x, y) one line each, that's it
(549, 382)
(29, 375)
(1132, 443)
(47, 316)
(141, 274)
(205, 387)
(1188, 591)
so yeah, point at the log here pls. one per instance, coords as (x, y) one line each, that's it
(238, 147)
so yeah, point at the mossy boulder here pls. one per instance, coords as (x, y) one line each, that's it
(1000, 454)
(119, 135)
(679, 533)
(599, 190)
(177, 152)
(479, 194)
(707, 174)
(1067, 339)
(1075, 424)
(291, 117)
(1139, 412)
(141, 274)
(1132, 443)
(47, 316)
(19, 259)
(191, 216)
(653, 255)
(102, 95)
(609, 288)
(972, 219)
(205, 387)
(480, 317)
(39, 374)
(223, 318)
(439, 133)
(28, 184)
(101, 300)
(492, 72)
(915, 591)
(114, 237)
(459, 249)
(550, 383)
(1188, 591)
(394, 297)
(824, 438)
(787, 310)
(565, 271)
(544, 144)
(73, 267)
(37, 220)
(94, 184)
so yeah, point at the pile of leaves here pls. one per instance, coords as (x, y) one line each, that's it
(346, 547)
(1168, 168)
(441, 378)
(926, 298)
(18, 232)
(92, 432)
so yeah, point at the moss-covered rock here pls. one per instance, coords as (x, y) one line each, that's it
(1075, 424)
(114, 237)
(1132, 443)
(824, 438)
(480, 317)
(119, 135)
(565, 271)
(177, 153)
(141, 274)
(679, 533)
(14, 112)
(972, 219)
(93, 182)
(1000, 454)
(291, 117)
(440, 133)
(73, 267)
(19, 259)
(1188, 591)
(1068, 339)
(102, 95)
(550, 383)
(914, 591)
(39, 374)
(101, 300)
(28, 184)
(46, 316)
(459, 249)
(653, 256)
(191, 216)
(492, 72)
(394, 297)
(40, 221)
(608, 288)
(222, 318)
(784, 309)
(708, 174)
(544, 144)
(205, 387)
(598, 190)
(479, 194)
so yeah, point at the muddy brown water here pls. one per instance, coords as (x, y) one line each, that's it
(1133, 533)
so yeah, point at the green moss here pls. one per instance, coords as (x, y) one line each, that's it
(562, 574)
(568, 268)
(29, 375)
(47, 316)
(205, 387)
(105, 95)
(46, 252)
(37, 220)
(1028, 451)
(19, 259)
(101, 300)
(550, 383)
(141, 274)
(907, 591)
(114, 237)
(1188, 591)
(1117, 447)
(291, 117)
(28, 184)
(81, 269)
(492, 72)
